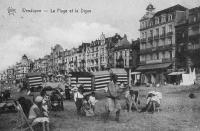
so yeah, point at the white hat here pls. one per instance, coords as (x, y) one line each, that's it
(75, 89)
(38, 99)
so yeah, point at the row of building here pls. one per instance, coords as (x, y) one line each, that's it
(101, 54)
(169, 42)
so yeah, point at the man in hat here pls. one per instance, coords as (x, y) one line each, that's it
(113, 97)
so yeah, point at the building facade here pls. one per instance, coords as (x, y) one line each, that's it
(23, 67)
(157, 43)
(193, 47)
(123, 54)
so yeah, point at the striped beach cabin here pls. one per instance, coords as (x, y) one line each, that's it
(84, 78)
(97, 80)
(34, 79)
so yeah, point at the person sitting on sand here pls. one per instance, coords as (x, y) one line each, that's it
(131, 97)
(153, 101)
(36, 113)
(45, 102)
(86, 107)
(26, 104)
(92, 101)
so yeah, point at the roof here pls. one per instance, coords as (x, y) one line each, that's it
(153, 66)
(171, 9)
(34, 74)
(118, 71)
(124, 43)
(101, 73)
(176, 73)
(81, 74)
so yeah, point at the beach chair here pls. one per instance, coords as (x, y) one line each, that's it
(22, 117)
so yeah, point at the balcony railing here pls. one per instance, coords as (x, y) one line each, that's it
(163, 60)
(154, 49)
(169, 34)
(162, 36)
(165, 47)
(150, 38)
(156, 37)
(143, 40)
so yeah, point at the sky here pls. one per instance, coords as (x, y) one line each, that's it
(34, 33)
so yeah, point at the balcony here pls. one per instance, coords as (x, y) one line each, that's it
(169, 34)
(194, 36)
(142, 62)
(150, 38)
(143, 40)
(155, 49)
(145, 51)
(154, 61)
(165, 47)
(162, 36)
(163, 60)
(156, 37)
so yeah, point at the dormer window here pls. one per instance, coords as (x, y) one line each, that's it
(151, 23)
(170, 17)
(156, 20)
(145, 24)
(195, 19)
(163, 19)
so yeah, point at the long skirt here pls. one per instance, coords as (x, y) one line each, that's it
(113, 104)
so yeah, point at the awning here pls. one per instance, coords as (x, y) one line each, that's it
(135, 73)
(118, 71)
(153, 66)
(176, 73)
(101, 73)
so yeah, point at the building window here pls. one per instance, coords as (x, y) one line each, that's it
(150, 44)
(157, 31)
(195, 19)
(151, 33)
(151, 23)
(170, 17)
(157, 43)
(163, 30)
(146, 23)
(163, 19)
(170, 41)
(157, 54)
(156, 20)
(170, 28)
(142, 35)
(145, 34)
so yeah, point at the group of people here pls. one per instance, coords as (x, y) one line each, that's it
(132, 99)
(85, 104)
(36, 111)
